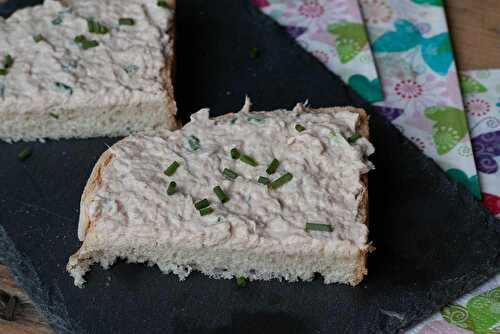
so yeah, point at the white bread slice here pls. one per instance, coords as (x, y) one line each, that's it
(259, 233)
(57, 88)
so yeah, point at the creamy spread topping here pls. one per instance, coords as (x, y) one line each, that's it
(51, 69)
(132, 199)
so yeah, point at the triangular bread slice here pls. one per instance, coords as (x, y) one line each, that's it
(310, 218)
(86, 68)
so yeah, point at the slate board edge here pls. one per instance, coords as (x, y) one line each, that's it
(45, 299)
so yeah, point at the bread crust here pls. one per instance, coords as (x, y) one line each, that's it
(362, 127)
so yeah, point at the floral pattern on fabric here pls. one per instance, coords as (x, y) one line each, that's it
(481, 90)
(334, 32)
(413, 53)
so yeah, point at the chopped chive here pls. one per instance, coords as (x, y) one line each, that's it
(241, 281)
(248, 160)
(80, 38)
(273, 166)
(229, 174)
(24, 154)
(38, 38)
(8, 61)
(172, 188)
(353, 138)
(96, 27)
(285, 178)
(54, 115)
(171, 169)
(194, 143)
(299, 127)
(221, 194)
(204, 203)
(255, 120)
(64, 87)
(235, 154)
(89, 44)
(126, 21)
(318, 227)
(3, 71)
(161, 3)
(234, 120)
(254, 53)
(263, 180)
(206, 211)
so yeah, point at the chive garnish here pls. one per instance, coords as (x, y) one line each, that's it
(206, 211)
(229, 174)
(194, 143)
(171, 169)
(263, 180)
(248, 160)
(204, 203)
(235, 154)
(254, 53)
(172, 188)
(255, 120)
(318, 227)
(96, 27)
(85, 43)
(38, 38)
(273, 166)
(353, 138)
(285, 178)
(54, 115)
(3, 71)
(162, 4)
(64, 87)
(8, 61)
(299, 127)
(221, 194)
(241, 281)
(24, 154)
(126, 21)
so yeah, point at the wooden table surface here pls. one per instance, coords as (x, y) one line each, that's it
(475, 30)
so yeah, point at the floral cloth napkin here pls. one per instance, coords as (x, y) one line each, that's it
(481, 91)
(334, 32)
(412, 49)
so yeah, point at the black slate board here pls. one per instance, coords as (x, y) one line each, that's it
(434, 240)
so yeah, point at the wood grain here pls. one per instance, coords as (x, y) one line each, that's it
(475, 31)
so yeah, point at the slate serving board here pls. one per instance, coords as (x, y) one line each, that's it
(434, 240)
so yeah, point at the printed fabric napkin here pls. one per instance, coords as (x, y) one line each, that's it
(334, 32)
(412, 50)
(481, 91)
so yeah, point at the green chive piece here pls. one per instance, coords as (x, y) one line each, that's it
(162, 4)
(4, 71)
(64, 87)
(255, 120)
(194, 143)
(54, 115)
(273, 166)
(126, 21)
(221, 194)
(24, 154)
(171, 169)
(204, 203)
(248, 160)
(206, 211)
(96, 27)
(299, 127)
(89, 44)
(172, 188)
(229, 174)
(318, 227)
(254, 53)
(8, 62)
(241, 281)
(263, 180)
(80, 38)
(234, 120)
(285, 178)
(353, 138)
(38, 38)
(235, 154)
